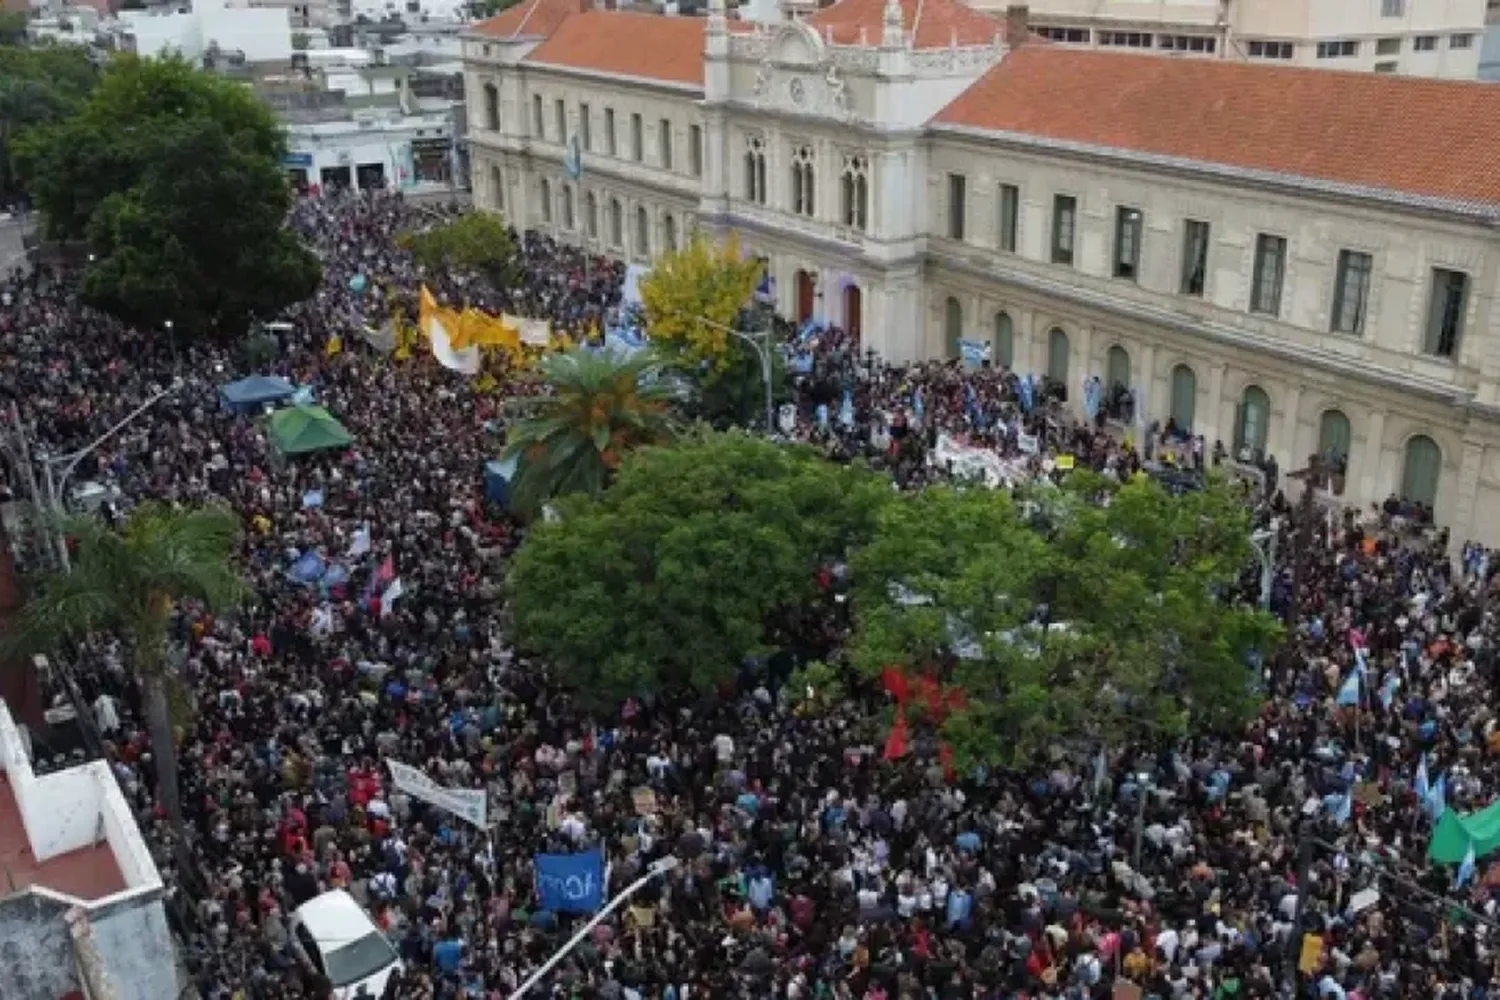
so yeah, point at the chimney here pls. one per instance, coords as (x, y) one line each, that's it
(1017, 25)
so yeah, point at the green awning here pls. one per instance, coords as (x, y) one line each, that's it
(299, 429)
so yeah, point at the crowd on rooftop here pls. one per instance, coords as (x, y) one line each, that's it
(811, 867)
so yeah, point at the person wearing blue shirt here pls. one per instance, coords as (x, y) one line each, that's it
(448, 953)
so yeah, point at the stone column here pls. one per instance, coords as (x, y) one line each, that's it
(1366, 471)
(1145, 387)
(1284, 446)
(1211, 432)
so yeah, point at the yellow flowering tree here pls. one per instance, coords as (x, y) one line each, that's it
(693, 293)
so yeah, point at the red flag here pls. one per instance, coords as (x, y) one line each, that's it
(895, 684)
(945, 755)
(895, 743)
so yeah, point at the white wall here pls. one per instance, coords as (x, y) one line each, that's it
(263, 34)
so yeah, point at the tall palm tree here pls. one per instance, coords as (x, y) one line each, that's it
(129, 582)
(601, 407)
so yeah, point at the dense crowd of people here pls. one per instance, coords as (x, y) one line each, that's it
(810, 867)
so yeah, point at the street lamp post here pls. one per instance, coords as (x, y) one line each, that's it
(56, 484)
(762, 352)
(658, 867)
(1264, 544)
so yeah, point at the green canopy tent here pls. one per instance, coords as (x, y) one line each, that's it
(299, 429)
(1454, 833)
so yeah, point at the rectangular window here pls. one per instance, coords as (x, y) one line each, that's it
(585, 128)
(1186, 43)
(1351, 290)
(637, 139)
(1460, 41)
(1010, 211)
(1445, 315)
(664, 143)
(1386, 67)
(957, 206)
(1392, 8)
(1270, 50)
(560, 115)
(1128, 227)
(1270, 268)
(1342, 49)
(1070, 36)
(1388, 47)
(1194, 257)
(695, 150)
(1424, 43)
(611, 146)
(1064, 217)
(538, 124)
(1126, 39)
(570, 219)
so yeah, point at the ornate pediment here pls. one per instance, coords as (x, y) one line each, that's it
(799, 75)
(796, 45)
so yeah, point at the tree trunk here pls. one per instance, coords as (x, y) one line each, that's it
(164, 747)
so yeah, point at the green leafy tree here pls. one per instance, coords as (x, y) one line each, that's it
(599, 408)
(38, 86)
(699, 556)
(1063, 618)
(734, 393)
(173, 175)
(129, 582)
(12, 27)
(476, 241)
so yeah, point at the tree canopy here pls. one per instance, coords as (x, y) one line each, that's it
(700, 556)
(703, 280)
(173, 175)
(39, 85)
(599, 408)
(1065, 617)
(475, 241)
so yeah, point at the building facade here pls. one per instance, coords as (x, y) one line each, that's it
(1407, 37)
(1287, 261)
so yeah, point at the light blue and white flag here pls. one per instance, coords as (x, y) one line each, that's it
(974, 352)
(573, 159)
(1467, 869)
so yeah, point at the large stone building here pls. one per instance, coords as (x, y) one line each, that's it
(1282, 259)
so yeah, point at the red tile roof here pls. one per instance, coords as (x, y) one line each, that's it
(530, 19)
(649, 46)
(932, 24)
(1424, 137)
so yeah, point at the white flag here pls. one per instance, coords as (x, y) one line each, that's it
(388, 599)
(361, 543)
(465, 803)
(465, 361)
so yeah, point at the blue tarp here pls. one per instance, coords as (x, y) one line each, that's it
(497, 477)
(249, 394)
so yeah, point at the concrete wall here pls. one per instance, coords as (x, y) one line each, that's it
(36, 953)
(60, 811)
(136, 948)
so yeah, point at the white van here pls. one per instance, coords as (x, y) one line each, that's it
(339, 940)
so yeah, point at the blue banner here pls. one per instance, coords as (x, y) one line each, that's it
(570, 883)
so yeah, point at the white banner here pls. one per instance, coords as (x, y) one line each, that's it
(465, 803)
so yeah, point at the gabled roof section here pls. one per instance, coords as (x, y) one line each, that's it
(931, 24)
(530, 19)
(1433, 139)
(649, 47)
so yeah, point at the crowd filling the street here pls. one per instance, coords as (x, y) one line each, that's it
(809, 858)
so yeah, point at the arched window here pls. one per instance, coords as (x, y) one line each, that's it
(1333, 435)
(1004, 352)
(570, 215)
(755, 171)
(855, 188)
(546, 200)
(1333, 447)
(616, 223)
(1116, 369)
(1058, 350)
(1184, 398)
(591, 215)
(492, 107)
(497, 188)
(1254, 420)
(953, 326)
(642, 230)
(1422, 470)
(668, 233)
(802, 181)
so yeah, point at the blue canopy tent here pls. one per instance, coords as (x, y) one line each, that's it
(250, 394)
(497, 478)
